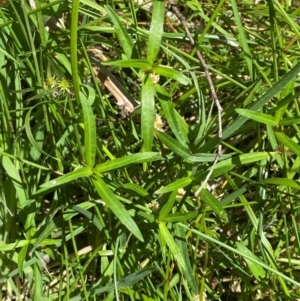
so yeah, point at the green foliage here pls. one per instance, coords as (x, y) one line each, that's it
(98, 195)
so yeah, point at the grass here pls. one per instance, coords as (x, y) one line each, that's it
(99, 180)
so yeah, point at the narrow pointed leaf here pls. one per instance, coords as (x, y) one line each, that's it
(167, 207)
(63, 180)
(258, 116)
(173, 145)
(179, 217)
(277, 87)
(165, 233)
(136, 188)
(183, 182)
(69, 177)
(256, 269)
(289, 121)
(124, 282)
(213, 203)
(148, 113)
(91, 217)
(281, 182)
(14, 175)
(89, 130)
(288, 142)
(156, 30)
(116, 207)
(29, 132)
(206, 157)
(138, 63)
(169, 72)
(127, 160)
(231, 249)
(244, 159)
(184, 250)
(171, 116)
(122, 33)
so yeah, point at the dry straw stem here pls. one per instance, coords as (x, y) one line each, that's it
(125, 101)
(212, 90)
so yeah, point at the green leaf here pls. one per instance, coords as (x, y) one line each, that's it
(173, 144)
(94, 5)
(242, 38)
(290, 121)
(156, 30)
(167, 207)
(39, 138)
(14, 175)
(180, 217)
(183, 246)
(213, 203)
(281, 182)
(89, 131)
(232, 196)
(148, 113)
(122, 33)
(168, 238)
(63, 180)
(137, 188)
(127, 281)
(38, 282)
(137, 63)
(183, 182)
(277, 87)
(91, 217)
(171, 116)
(63, 59)
(29, 132)
(255, 268)
(288, 142)
(258, 116)
(228, 248)
(35, 165)
(206, 157)
(244, 159)
(21, 259)
(116, 207)
(73, 49)
(169, 72)
(69, 177)
(128, 160)
(49, 229)
(135, 277)
(13, 246)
